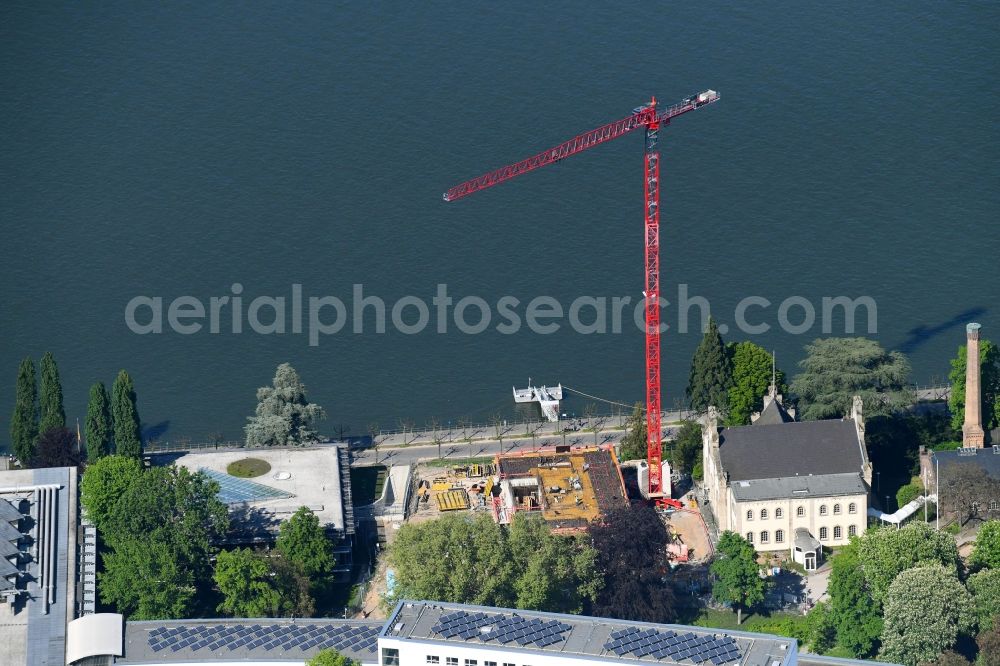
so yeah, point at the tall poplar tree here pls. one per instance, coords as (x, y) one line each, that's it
(711, 375)
(97, 428)
(125, 416)
(24, 422)
(51, 398)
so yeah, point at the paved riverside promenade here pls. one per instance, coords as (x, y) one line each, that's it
(458, 443)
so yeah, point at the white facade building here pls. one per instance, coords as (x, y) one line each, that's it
(786, 485)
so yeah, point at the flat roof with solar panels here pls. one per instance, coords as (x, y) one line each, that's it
(428, 630)
(247, 641)
(431, 633)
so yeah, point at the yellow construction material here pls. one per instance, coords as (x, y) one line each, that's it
(452, 500)
(440, 484)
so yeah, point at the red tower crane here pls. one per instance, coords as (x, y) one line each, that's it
(651, 119)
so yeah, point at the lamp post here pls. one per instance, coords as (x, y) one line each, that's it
(937, 491)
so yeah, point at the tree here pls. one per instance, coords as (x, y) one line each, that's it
(925, 610)
(751, 367)
(985, 589)
(989, 385)
(330, 657)
(884, 553)
(836, 369)
(375, 432)
(634, 444)
(630, 543)
(294, 587)
(737, 575)
(499, 429)
(145, 579)
(856, 619)
(456, 558)
(822, 630)
(687, 447)
(471, 559)
(303, 541)
(966, 489)
(24, 422)
(986, 552)
(56, 448)
(103, 485)
(179, 505)
(948, 658)
(559, 573)
(245, 581)
(909, 492)
(988, 642)
(711, 375)
(125, 415)
(283, 414)
(51, 399)
(97, 428)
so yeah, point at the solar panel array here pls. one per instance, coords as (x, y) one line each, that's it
(502, 629)
(215, 637)
(233, 490)
(675, 646)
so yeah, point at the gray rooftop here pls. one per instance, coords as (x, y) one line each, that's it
(790, 449)
(8, 513)
(988, 458)
(824, 485)
(238, 640)
(574, 635)
(31, 630)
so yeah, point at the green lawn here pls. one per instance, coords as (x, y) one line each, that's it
(792, 625)
(248, 468)
(367, 483)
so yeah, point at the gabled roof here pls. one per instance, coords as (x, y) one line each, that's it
(790, 449)
(773, 414)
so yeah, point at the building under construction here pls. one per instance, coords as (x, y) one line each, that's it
(569, 489)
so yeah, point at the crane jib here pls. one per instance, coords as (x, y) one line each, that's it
(643, 116)
(567, 148)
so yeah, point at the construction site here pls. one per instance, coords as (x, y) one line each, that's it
(569, 488)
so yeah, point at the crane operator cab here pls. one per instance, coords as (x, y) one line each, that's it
(704, 98)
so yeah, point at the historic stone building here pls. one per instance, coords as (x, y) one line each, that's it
(787, 485)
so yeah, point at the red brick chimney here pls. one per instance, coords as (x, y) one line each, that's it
(972, 429)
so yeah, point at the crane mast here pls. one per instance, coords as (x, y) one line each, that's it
(650, 118)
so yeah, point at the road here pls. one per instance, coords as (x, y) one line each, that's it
(462, 450)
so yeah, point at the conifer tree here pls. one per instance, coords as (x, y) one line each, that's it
(51, 397)
(24, 422)
(125, 417)
(711, 375)
(97, 429)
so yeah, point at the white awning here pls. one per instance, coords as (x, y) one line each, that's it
(100, 634)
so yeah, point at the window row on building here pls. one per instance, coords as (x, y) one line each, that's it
(434, 660)
(779, 535)
(800, 511)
